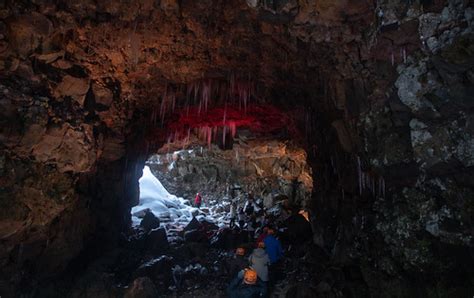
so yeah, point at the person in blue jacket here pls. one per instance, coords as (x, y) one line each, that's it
(273, 247)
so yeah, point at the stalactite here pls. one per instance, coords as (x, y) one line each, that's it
(383, 187)
(333, 166)
(359, 174)
(233, 128)
(373, 186)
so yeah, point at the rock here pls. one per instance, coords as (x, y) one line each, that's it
(113, 149)
(76, 88)
(227, 239)
(69, 148)
(149, 221)
(159, 268)
(141, 287)
(141, 213)
(28, 32)
(299, 229)
(194, 224)
(195, 236)
(323, 287)
(103, 96)
(49, 58)
(169, 5)
(252, 3)
(156, 241)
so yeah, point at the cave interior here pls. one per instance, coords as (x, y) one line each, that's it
(360, 114)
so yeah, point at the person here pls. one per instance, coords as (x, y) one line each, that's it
(232, 214)
(198, 200)
(242, 218)
(249, 206)
(251, 224)
(273, 246)
(259, 261)
(247, 286)
(237, 263)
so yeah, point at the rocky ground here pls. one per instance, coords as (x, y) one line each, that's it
(189, 261)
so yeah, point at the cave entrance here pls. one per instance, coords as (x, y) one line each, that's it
(271, 170)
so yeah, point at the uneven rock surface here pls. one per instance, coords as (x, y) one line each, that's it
(265, 168)
(379, 94)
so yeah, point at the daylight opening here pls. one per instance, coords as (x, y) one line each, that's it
(254, 183)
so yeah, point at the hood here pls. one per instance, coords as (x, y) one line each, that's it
(259, 253)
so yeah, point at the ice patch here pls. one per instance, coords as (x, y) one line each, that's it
(164, 205)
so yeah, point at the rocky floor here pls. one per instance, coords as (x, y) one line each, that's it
(147, 265)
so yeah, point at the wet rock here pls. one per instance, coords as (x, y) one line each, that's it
(149, 221)
(141, 287)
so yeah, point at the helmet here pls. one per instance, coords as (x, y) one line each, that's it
(250, 276)
(261, 244)
(240, 251)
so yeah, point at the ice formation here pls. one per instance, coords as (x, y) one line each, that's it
(173, 212)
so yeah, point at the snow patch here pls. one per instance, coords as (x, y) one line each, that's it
(165, 206)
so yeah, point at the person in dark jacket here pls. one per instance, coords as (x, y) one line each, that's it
(238, 263)
(273, 247)
(259, 261)
(248, 286)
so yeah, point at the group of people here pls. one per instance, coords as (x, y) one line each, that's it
(251, 275)
(250, 217)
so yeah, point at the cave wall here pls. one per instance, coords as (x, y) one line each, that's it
(397, 191)
(263, 166)
(384, 90)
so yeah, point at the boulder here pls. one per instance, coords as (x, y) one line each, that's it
(194, 224)
(156, 241)
(149, 221)
(141, 287)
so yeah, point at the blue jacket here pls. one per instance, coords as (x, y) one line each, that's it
(273, 248)
(238, 289)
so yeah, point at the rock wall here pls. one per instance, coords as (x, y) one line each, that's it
(267, 168)
(400, 201)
